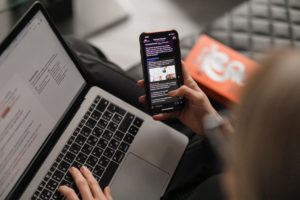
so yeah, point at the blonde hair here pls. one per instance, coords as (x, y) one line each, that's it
(266, 143)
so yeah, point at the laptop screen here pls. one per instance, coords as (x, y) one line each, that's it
(38, 83)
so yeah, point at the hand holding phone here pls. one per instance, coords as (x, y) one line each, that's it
(161, 60)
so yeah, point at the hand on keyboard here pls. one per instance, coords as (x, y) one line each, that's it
(87, 185)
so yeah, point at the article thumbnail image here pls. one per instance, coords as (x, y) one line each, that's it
(162, 73)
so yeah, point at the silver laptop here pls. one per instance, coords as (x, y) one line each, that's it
(51, 118)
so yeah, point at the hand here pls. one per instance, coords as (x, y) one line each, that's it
(87, 185)
(197, 104)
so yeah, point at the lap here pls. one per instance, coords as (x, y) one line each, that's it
(198, 162)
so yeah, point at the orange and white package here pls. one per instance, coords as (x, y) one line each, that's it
(220, 71)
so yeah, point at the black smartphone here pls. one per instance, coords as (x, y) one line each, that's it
(161, 60)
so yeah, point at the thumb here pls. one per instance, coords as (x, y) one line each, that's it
(195, 97)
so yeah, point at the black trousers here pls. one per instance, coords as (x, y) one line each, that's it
(198, 163)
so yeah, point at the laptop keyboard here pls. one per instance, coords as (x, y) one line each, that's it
(100, 143)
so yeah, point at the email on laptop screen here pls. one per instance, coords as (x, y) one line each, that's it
(38, 82)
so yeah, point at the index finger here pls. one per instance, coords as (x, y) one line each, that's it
(81, 183)
(95, 188)
(185, 73)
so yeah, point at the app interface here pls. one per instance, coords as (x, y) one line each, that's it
(160, 61)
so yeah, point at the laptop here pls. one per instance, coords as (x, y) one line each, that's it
(52, 118)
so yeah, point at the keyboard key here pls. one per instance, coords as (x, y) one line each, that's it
(86, 116)
(81, 123)
(97, 132)
(77, 165)
(91, 108)
(71, 140)
(76, 132)
(102, 143)
(126, 122)
(35, 195)
(85, 131)
(46, 194)
(107, 135)
(63, 166)
(109, 152)
(109, 173)
(92, 140)
(52, 185)
(138, 122)
(107, 115)
(81, 158)
(118, 157)
(57, 175)
(98, 170)
(117, 118)
(113, 108)
(92, 160)
(75, 148)
(97, 99)
(64, 150)
(124, 147)
(128, 138)
(112, 127)
(47, 176)
(41, 186)
(66, 183)
(96, 115)
(103, 161)
(69, 157)
(56, 196)
(89, 167)
(102, 123)
(87, 149)
(119, 135)
(80, 139)
(133, 130)
(59, 157)
(91, 123)
(68, 177)
(97, 152)
(55, 164)
(114, 144)
(102, 105)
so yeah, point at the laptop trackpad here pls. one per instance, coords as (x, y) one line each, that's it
(138, 179)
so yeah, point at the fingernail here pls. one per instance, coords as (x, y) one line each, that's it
(83, 168)
(60, 188)
(71, 169)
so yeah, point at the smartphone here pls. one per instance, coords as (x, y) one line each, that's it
(161, 60)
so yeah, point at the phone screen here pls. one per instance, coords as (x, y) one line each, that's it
(162, 69)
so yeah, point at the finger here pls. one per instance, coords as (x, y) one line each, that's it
(196, 97)
(68, 193)
(140, 83)
(164, 116)
(142, 99)
(81, 183)
(185, 73)
(107, 193)
(92, 182)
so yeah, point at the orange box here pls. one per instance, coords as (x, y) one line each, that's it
(220, 71)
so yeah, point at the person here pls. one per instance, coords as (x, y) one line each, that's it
(263, 162)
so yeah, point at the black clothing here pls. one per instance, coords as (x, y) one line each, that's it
(198, 162)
